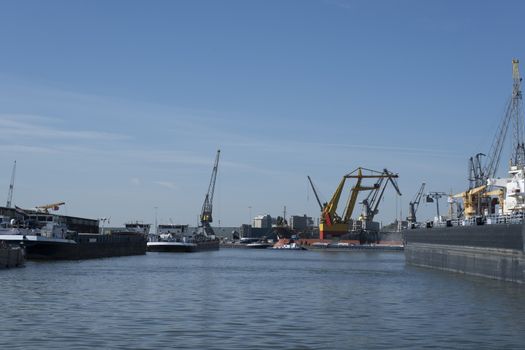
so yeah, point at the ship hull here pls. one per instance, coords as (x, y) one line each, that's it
(181, 247)
(493, 251)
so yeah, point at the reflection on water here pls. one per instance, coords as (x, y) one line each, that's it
(239, 299)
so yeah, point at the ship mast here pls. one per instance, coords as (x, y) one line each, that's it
(515, 110)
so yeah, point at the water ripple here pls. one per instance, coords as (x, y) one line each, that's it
(238, 299)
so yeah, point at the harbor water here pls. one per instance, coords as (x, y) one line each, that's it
(255, 299)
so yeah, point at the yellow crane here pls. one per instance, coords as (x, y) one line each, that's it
(45, 208)
(334, 225)
(478, 199)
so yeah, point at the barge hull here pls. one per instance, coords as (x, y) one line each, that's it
(86, 246)
(81, 251)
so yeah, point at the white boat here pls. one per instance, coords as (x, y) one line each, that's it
(258, 245)
(290, 246)
(175, 239)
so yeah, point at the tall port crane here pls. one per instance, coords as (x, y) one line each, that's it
(207, 207)
(371, 202)
(476, 198)
(414, 205)
(11, 187)
(332, 224)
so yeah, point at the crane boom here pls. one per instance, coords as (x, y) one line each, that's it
(358, 188)
(513, 112)
(315, 192)
(11, 187)
(371, 202)
(207, 207)
(329, 214)
(46, 207)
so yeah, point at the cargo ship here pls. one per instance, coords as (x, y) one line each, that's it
(487, 236)
(177, 239)
(487, 240)
(46, 236)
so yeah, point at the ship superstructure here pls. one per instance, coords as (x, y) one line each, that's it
(487, 194)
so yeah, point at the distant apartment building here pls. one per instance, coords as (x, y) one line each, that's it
(301, 223)
(245, 230)
(262, 221)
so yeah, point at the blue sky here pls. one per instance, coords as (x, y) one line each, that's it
(117, 107)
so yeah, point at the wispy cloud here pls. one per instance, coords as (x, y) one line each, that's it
(32, 127)
(300, 147)
(27, 149)
(135, 181)
(166, 184)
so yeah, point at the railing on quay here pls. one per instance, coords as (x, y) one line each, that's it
(514, 218)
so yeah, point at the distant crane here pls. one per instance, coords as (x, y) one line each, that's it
(476, 174)
(414, 205)
(332, 224)
(315, 193)
(207, 207)
(54, 206)
(11, 186)
(371, 202)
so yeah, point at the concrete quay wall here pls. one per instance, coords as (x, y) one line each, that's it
(11, 257)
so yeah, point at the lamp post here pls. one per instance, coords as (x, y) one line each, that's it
(156, 226)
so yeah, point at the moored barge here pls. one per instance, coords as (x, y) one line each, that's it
(46, 236)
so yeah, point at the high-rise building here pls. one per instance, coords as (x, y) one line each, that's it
(262, 221)
(301, 223)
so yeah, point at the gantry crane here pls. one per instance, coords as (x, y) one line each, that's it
(371, 202)
(414, 205)
(207, 207)
(11, 186)
(334, 225)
